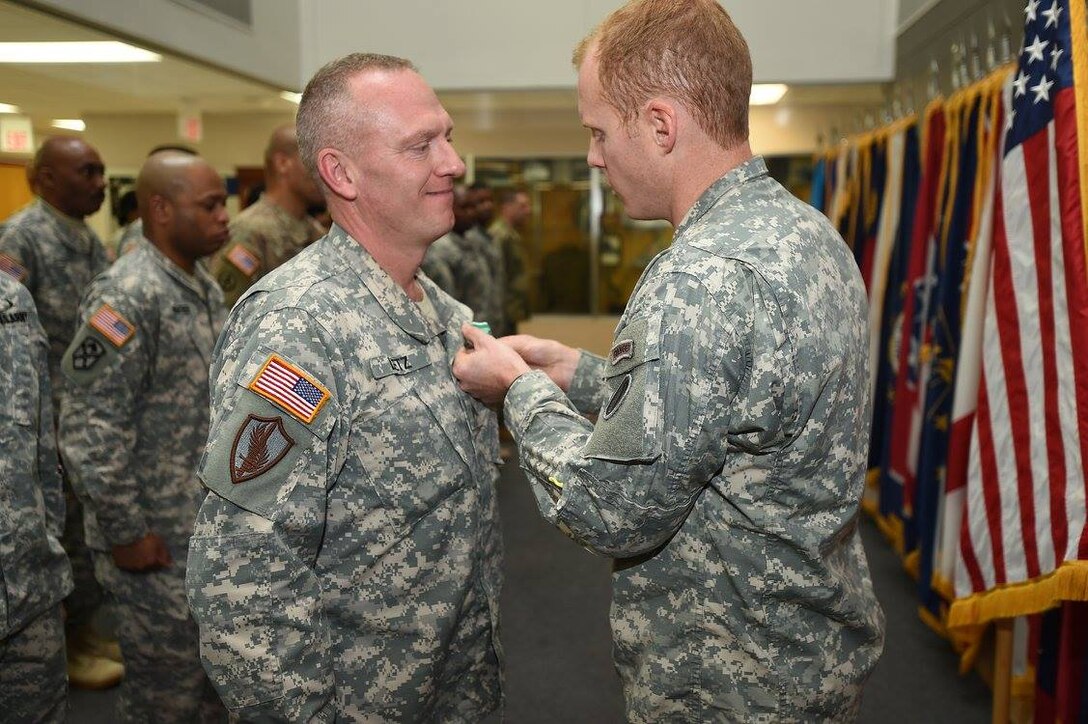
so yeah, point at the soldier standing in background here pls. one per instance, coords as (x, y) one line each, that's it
(133, 423)
(725, 470)
(514, 211)
(275, 227)
(50, 249)
(346, 562)
(458, 262)
(36, 574)
(483, 199)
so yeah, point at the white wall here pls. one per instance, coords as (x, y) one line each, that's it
(492, 44)
(268, 51)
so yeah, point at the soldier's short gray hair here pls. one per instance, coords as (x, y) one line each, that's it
(328, 116)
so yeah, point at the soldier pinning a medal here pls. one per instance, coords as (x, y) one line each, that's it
(275, 227)
(346, 561)
(134, 419)
(725, 469)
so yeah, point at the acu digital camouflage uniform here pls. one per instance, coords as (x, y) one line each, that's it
(346, 563)
(726, 467)
(460, 266)
(496, 267)
(134, 421)
(516, 287)
(56, 256)
(130, 238)
(34, 571)
(267, 236)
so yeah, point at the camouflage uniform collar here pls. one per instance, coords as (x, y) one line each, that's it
(405, 313)
(79, 233)
(733, 180)
(281, 214)
(200, 282)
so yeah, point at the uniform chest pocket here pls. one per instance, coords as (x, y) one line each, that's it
(628, 428)
(19, 379)
(414, 441)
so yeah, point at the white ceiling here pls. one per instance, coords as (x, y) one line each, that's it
(70, 90)
(45, 92)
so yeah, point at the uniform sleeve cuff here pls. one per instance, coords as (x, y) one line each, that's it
(586, 385)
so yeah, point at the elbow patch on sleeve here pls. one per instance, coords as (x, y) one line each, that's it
(627, 428)
(273, 438)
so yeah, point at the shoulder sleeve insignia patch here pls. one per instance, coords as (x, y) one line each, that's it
(622, 351)
(12, 268)
(246, 261)
(259, 445)
(111, 325)
(289, 387)
(87, 354)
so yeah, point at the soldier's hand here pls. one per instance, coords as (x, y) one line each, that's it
(554, 359)
(486, 368)
(146, 554)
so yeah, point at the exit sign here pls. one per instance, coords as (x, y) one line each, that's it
(16, 135)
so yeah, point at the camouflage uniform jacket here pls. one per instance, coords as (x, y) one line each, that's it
(34, 571)
(459, 264)
(135, 412)
(262, 237)
(516, 290)
(346, 563)
(496, 267)
(129, 239)
(725, 470)
(56, 257)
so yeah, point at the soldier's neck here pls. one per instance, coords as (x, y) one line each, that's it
(283, 198)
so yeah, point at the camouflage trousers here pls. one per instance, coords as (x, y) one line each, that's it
(85, 598)
(34, 671)
(164, 680)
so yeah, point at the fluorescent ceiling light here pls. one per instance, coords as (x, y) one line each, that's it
(295, 98)
(767, 94)
(107, 51)
(69, 124)
(8, 108)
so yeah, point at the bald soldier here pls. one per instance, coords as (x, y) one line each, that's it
(133, 423)
(274, 228)
(725, 468)
(50, 249)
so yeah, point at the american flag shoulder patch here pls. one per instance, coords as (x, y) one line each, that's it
(111, 325)
(12, 268)
(246, 261)
(284, 384)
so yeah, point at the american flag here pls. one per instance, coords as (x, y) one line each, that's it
(290, 388)
(112, 325)
(244, 259)
(1024, 521)
(12, 268)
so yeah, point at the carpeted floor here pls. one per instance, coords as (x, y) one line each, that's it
(558, 647)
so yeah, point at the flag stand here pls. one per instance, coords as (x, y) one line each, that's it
(1003, 629)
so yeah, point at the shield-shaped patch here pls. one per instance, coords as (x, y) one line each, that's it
(260, 443)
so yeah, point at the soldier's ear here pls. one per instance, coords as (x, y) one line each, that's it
(338, 173)
(661, 117)
(159, 208)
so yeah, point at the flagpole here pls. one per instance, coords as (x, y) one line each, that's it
(1002, 670)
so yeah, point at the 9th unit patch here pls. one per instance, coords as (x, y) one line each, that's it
(259, 444)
